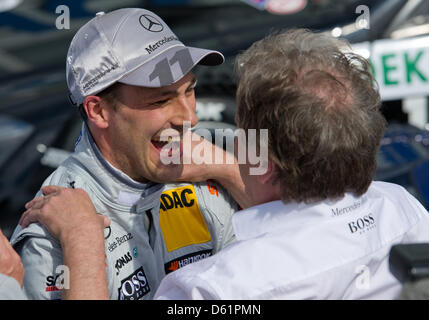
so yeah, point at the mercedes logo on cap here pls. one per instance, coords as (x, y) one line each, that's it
(151, 23)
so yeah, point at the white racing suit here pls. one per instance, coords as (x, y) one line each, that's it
(155, 228)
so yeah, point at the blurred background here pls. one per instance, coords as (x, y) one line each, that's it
(39, 126)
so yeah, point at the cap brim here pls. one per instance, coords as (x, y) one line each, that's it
(170, 66)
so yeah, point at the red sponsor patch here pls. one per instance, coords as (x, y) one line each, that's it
(52, 288)
(212, 188)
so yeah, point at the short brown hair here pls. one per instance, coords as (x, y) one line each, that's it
(110, 94)
(321, 110)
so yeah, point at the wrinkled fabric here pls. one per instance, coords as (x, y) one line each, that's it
(137, 254)
(328, 250)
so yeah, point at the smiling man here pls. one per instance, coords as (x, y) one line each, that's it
(131, 79)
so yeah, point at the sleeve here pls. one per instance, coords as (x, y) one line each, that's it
(10, 289)
(181, 286)
(43, 265)
(219, 206)
(41, 254)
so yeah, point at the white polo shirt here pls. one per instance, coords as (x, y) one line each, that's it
(327, 250)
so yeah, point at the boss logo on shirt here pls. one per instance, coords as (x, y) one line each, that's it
(181, 220)
(135, 287)
(363, 224)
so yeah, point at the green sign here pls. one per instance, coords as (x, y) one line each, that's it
(401, 67)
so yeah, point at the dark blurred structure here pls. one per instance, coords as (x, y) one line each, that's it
(38, 126)
(409, 263)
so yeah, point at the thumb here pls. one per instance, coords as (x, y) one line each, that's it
(50, 189)
(106, 220)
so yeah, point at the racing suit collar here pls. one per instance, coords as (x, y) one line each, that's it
(114, 184)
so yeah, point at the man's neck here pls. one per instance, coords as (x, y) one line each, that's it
(101, 141)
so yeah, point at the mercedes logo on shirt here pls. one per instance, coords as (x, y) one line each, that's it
(151, 23)
(107, 230)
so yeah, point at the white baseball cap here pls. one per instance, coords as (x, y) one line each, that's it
(132, 46)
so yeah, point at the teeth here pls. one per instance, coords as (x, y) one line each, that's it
(170, 139)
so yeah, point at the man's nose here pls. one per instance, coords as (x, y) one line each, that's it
(185, 111)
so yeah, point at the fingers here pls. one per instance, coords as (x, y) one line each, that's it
(36, 203)
(30, 216)
(47, 190)
(106, 221)
(22, 217)
(29, 204)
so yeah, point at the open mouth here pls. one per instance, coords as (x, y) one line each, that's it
(159, 144)
(173, 144)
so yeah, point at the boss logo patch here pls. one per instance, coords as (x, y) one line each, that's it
(134, 287)
(363, 224)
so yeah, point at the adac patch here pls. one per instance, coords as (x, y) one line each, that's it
(181, 220)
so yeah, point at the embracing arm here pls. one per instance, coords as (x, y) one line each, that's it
(86, 260)
(227, 174)
(81, 235)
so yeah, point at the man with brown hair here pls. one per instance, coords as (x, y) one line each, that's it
(320, 227)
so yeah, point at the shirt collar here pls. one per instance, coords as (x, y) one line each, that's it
(276, 216)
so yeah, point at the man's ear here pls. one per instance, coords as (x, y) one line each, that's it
(96, 111)
(269, 175)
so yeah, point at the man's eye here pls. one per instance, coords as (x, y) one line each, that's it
(191, 88)
(160, 102)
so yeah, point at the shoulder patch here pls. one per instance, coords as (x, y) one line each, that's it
(212, 188)
(181, 220)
